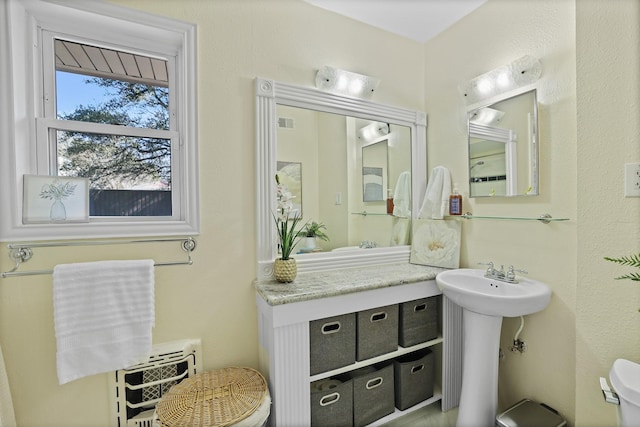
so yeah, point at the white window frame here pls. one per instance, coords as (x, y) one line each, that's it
(25, 122)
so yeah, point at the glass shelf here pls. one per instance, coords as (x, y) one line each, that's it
(365, 213)
(544, 218)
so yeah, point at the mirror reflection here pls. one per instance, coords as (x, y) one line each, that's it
(346, 174)
(374, 172)
(503, 148)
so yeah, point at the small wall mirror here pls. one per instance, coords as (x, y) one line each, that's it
(374, 172)
(343, 157)
(503, 147)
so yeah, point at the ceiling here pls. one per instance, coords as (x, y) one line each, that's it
(419, 20)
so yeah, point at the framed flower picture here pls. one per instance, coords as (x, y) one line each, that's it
(290, 174)
(55, 199)
(436, 242)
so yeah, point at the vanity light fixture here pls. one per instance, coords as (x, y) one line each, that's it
(373, 131)
(343, 82)
(519, 73)
(486, 116)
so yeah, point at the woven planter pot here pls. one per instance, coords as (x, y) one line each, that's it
(285, 270)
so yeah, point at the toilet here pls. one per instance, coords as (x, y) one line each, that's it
(625, 379)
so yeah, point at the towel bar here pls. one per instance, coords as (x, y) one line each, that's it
(22, 252)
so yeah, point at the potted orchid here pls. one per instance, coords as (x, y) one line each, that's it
(285, 268)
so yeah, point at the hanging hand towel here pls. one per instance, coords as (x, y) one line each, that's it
(436, 199)
(400, 234)
(402, 196)
(103, 316)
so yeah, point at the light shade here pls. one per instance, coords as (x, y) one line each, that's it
(486, 116)
(521, 72)
(373, 131)
(343, 82)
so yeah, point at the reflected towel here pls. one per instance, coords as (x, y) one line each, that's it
(402, 196)
(436, 199)
(401, 232)
(103, 315)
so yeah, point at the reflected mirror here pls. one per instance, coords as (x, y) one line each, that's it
(322, 142)
(503, 147)
(374, 172)
(345, 176)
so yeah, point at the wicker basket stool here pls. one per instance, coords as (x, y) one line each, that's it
(232, 396)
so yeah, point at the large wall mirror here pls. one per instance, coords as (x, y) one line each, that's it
(503, 147)
(343, 158)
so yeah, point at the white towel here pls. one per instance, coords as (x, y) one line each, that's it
(436, 198)
(400, 233)
(103, 316)
(402, 196)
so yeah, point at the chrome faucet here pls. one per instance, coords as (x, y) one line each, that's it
(509, 276)
(366, 244)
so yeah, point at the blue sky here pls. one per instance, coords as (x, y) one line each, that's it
(69, 96)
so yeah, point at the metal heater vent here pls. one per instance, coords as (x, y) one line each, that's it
(286, 122)
(138, 389)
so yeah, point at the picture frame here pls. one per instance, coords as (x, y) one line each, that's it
(436, 243)
(290, 175)
(55, 199)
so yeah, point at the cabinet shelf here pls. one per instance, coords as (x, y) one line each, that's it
(287, 366)
(384, 357)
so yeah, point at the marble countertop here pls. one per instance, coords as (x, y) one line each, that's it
(322, 284)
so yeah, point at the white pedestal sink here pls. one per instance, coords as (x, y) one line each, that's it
(485, 302)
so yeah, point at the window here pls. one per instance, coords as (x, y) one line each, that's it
(108, 120)
(114, 102)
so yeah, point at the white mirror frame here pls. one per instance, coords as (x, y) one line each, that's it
(270, 93)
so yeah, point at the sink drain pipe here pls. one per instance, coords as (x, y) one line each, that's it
(519, 345)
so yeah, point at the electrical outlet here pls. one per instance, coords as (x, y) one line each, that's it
(632, 180)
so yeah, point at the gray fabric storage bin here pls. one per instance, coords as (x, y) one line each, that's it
(332, 403)
(418, 321)
(414, 377)
(377, 331)
(373, 393)
(332, 343)
(528, 413)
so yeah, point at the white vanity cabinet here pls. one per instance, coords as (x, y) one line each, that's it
(284, 341)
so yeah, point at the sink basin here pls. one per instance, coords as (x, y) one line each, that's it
(469, 289)
(484, 303)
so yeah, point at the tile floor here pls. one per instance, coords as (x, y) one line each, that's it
(429, 416)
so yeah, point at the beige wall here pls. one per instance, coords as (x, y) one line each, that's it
(496, 34)
(287, 40)
(589, 120)
(589, 127)
(608, 104)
